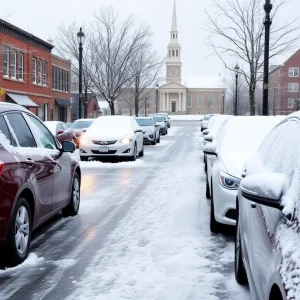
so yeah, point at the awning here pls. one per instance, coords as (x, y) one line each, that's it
(22, 100)
(62, 102)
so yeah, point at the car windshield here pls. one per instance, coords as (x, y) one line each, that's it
(207, 117)
(111, 126)
(81, 124)
(159, 119)
(145, 122)
(51, 126)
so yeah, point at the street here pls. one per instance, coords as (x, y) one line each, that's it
(142, 233)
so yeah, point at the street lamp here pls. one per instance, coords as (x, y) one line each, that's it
(80, 38)
(145, 106)
(236, 70)
(223, 103)
(157, 87)
(268, 22)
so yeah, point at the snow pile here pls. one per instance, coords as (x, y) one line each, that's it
(32, 261)
(186, 117)
(120, 165)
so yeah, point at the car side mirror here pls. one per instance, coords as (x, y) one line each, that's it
(60, 131)
(84, 129)
(156, 125)
(201, 120)
(68, 146)
(205, 132)
(139, 130)
(208, 138)
(264, 188)
(210, 149)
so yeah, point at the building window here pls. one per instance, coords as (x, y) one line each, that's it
(169, 53)
(53, 78)
(291, 103)
(21, 66)
(42, 111)
(211, 100)
(67, 81)
(45, 65)
(56, 79)
(6, 62)
(173, 53)
(13, 64)
(293, 87)
(189, 101)
(40, 70)
(60, 80)
(34, 70)
(176, 53)
(198, 101)
(293, 72)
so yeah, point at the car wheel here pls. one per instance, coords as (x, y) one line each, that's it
(240, 271)
(133, 157)
(154, 142)
(73, 206)
(166, 131)
(207, 189)
(19, 236)
(215, 226)
(84, 158)
(141, 154)
(158, 140)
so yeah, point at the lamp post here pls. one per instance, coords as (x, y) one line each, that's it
(236, 69)
(156, 106)
(268, 22)
(145, 106)
(223, 103)
(80, 38)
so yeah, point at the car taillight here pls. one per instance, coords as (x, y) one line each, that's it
(1, 167)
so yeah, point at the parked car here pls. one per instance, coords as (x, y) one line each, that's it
(162, 122)
(212, 130)
(150, 129)
(38, 178)
(236, 141)
(205, 120)
(80, 126)
(166, 116)
(268, 204)
(61, 131)
(112, 136)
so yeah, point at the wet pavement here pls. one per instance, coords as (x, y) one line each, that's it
(142, 233)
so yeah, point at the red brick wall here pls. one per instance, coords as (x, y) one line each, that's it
(91, 113)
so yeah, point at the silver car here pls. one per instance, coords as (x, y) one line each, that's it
(112, 136)
(166, 116)
(150, 129)
(162, 122)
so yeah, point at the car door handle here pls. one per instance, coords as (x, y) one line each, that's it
(29, 162)
(253, 204)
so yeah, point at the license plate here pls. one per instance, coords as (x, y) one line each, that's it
(103, 149)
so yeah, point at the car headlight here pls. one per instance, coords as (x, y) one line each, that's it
(228, 181)
(126, 140)
(84, 140)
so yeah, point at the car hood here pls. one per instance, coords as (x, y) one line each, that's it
(234, 163)
(148, 129)
(107, 136)
(161, 123)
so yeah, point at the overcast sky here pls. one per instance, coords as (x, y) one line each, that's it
(42, 19)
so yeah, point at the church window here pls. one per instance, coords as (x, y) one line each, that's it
(211, 100)
(173, 53)
(176, 53)
(189, 101)
(198, 101)
(169, 53)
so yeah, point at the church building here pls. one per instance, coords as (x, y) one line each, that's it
(187, 94)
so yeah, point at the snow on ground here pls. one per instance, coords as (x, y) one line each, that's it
(160, 250)
(186, 117)
(114, 165)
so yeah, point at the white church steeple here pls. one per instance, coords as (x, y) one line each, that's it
(173, 64)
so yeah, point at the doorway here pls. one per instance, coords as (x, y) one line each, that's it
(173, 107)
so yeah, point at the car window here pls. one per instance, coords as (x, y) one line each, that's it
(59, 127)
(42, 133)
(65, 126)
(4, 130)
(20, 130)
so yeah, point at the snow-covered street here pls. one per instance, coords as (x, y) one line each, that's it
(142, 233)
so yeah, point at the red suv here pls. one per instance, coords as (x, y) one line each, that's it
(38, 178)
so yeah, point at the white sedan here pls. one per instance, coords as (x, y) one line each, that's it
(235, 142)
(112, 136)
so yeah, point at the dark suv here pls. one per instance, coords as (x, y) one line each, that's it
(37, 179)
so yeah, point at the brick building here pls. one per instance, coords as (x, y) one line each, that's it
(26, 76)
(284, 92)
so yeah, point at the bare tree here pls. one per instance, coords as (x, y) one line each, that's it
(238, 27)
(113, 46)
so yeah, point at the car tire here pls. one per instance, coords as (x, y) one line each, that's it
(73, 207)
(167, 131)
(239, 268)
(133, 157)
(158, 140)
(154, 142)
(215, 226)
(141, 154)
(207, 189)
(15, 252)
(84, 158)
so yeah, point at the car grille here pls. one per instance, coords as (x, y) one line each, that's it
(107, 153)
(104, 143)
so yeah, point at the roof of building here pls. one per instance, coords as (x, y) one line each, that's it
(273, 67)
(20, 34)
